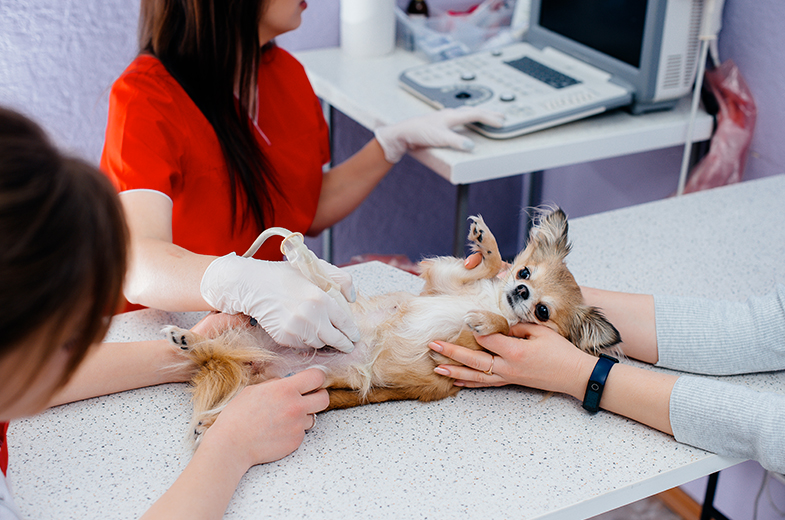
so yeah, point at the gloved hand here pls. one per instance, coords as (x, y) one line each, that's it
(293, 311)
(433, 130)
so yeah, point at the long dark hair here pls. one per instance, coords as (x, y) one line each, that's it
(212, 47)
(62, 249)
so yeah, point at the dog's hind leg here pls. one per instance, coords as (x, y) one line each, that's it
(183, 339)
(344, 398)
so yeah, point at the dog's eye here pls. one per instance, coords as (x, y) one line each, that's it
(524, 273)
(541, 311)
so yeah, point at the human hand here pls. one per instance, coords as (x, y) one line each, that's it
(293, 311)
(535, 356)
(475, 259)
(217, 322)
(268, 421)
(434, 129)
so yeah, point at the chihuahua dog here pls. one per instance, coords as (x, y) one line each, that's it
(393, 360)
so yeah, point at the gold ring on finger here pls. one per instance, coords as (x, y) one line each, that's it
(490, 370)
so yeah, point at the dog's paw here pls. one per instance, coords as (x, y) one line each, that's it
(183, 339)
(477, 229)
(486, 322)
(481, 238)
(476, 321)
(199, 429)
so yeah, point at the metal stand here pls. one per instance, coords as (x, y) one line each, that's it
(533, 198)
(327, 234)
(461, 216)
(709, 511)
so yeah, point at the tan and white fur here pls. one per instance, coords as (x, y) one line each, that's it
(393, 360)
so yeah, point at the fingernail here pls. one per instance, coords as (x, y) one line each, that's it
(435, 346)
(466, 262)
(459, 383)
(441, 371)
(468, 144)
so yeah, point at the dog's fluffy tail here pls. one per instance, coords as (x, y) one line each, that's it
(224, 366)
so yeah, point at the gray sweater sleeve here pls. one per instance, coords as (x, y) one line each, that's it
(721, 338)
(729, 420)
(718, 338)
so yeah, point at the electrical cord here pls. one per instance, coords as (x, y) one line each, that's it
(299, 256)
(767, 475)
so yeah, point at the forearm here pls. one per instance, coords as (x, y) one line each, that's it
(165, 276)
(633, 317)
(641, 395)
(730, 420)
(117, 367)
(345, 186)
(721, 337)
(204, 488)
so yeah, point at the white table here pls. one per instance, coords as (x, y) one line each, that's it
(491, 453)
(367, 91)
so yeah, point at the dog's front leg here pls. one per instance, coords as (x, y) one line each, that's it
(482, 323)
(445, 275)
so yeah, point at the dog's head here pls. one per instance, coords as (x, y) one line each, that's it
(540, 289)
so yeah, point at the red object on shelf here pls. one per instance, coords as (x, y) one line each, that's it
(400, 261)
(459, 13)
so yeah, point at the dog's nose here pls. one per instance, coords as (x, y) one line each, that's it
(522, 292)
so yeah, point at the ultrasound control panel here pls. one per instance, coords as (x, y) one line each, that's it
(532, 95)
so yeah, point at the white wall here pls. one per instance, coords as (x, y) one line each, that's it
(58, 59)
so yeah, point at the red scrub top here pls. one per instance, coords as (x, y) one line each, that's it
(3, 448)
(157, 139)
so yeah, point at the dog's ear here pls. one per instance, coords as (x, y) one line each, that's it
(549, 234)
(591, 332)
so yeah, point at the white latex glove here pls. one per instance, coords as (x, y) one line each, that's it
(433, 130)
(293, 311)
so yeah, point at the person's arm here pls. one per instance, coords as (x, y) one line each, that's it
(293, 310)
(348, 184)
(161, 274)
(116, 367)
(540, 358)
(633, 317)
(721, 337)
(265, 422)
(345, 186)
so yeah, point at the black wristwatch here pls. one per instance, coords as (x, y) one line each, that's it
(591, 401)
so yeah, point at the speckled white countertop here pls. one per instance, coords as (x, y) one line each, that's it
(492, 453)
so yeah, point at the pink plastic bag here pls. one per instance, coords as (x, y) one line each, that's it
(724, 164)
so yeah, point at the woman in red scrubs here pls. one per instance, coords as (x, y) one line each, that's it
(214, 135)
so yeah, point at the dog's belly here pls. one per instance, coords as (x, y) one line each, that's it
(396, 329)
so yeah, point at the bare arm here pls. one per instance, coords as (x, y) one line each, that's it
(541, 358)
(633, 316)
(117, 367)
(160, 274)
(345, 186)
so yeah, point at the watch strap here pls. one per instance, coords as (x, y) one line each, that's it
(596, 384)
